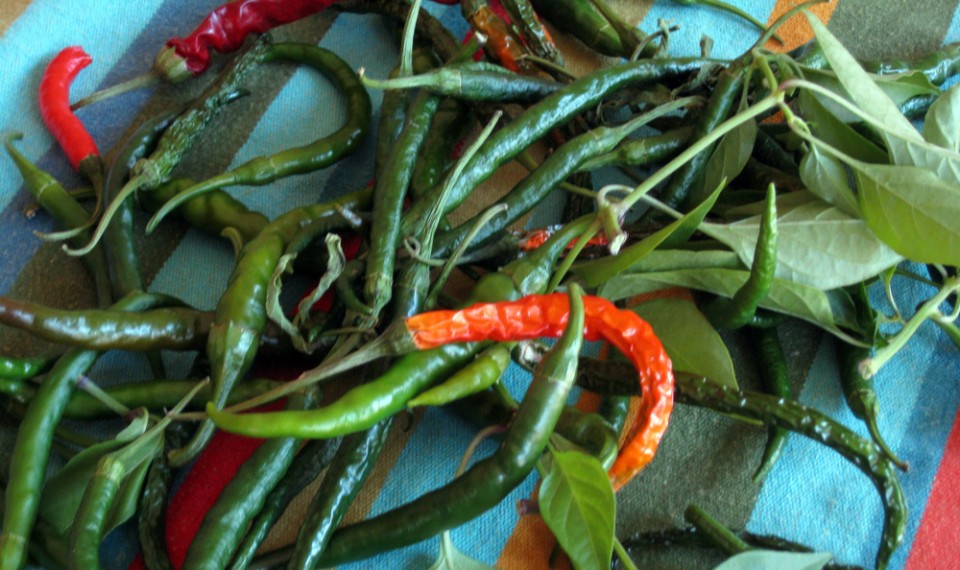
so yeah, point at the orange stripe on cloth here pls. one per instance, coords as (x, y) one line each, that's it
(10, 10)
(797, 30)
(531, 544)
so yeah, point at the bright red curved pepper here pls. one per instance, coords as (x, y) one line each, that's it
(546, 315)
(54, 102)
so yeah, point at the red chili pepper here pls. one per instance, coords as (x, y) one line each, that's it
(226, 28)
(54, 101)
(535, 238)
(546, 315)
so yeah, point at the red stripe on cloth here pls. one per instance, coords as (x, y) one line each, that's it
(935, 545)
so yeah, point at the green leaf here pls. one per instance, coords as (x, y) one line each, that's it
(689, 339)
(899, 88)
(836, 133)
(828, 309)
(912, 210)
(763, 559)
(127, 498)
(63, 491)
(452, 559)
(819, 246)
(825, 176)
(860, 86)
(729, 158)
(671, 259)
(577, 503)
(941, 126)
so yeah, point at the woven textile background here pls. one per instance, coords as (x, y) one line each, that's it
(812, 496)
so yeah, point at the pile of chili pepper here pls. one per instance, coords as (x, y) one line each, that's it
(423, 307)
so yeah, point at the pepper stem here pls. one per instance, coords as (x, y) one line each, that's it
(138, 82)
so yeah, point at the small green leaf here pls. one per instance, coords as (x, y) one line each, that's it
(691, 342)
(860, 86)
(825, 176)
(728, 159)
(912, 210)
(941, 126)
(762, 559)
(63, 491)
(819, 246)
(577, 503)
(827, 309)
(452, 559)
(836, 133)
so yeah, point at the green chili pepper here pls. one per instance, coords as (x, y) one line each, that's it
(776, 381)
(226, 523)
(864, 454)
(65, 210)
(155, 395)
(643, 151)
(538, 120)
(591, 432)
(614, 410)
(22, 368)
(860, 395)
(767, 150)
(152, 509)
(487, 481)
(451, 123)
(474, 81)
(582, 20)
(725, 93)
(312, 460)
(348, 472)
(738, 311)
(391, 189)
(537, 186)
(485, 370)
(30, 454)
(241, 312)
(361, 407)
(216, 212)
(101, 329)
(301, 160)
(118, 242)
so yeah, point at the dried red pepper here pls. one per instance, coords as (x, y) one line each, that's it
(226, 28)
(54, 102)
(546, 315)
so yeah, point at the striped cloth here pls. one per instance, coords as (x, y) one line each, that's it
(812, 496)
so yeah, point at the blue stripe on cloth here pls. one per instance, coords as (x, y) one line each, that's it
(118, 54)
(309, 107)
(953, 32)
(428, 462)
(842, 513)
(696, 21)
(46, 27)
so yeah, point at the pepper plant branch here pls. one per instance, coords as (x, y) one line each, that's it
(928, 310)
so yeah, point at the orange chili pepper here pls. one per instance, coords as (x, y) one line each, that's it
(546, 315)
